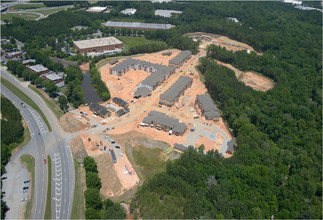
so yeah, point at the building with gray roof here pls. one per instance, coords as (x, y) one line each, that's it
(232, 144)
(180, 58)
(180, 147)
(137, 25)
(99, 110)
(52, 76)
(113, 156)
(142, 92)
(167, 13)
(164, 122)
(97, 45)
(208, 108)
(171, 95)
(123, 111)
(120, 102)
(38, 69)
(28, 61)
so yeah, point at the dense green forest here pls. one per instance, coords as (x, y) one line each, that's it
(95, 207)
(12, 133)
(276, 170)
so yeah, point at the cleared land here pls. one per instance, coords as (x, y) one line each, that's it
(50, 11)
(27, 16)
(69, 123)
(137, 41)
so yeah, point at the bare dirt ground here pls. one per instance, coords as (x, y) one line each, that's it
(70, 123)
(257, 82)
(85, 66)
(78, 149)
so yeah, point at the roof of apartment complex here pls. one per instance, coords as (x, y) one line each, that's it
(129, 11)
(167, 13)
(123, 111)
(137, 25)
(130, 61)
(38, 68)
(157, 76)
(163, 119)
(208, 105)
(180, 147)
(180, 57)
(53, 76)
(120, 102)
(173, 92)
(100, 110)
(96, 9)
(142, 92)
(99, 42)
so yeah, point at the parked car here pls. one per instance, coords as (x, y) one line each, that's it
(24, 199)
(26, 181)
(23, 105)
(4, 178)
(117, 146)
(25, 190)
(44, 161)
(25, 187)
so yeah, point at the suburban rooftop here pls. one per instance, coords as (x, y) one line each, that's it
(99, 42)
(137, 25)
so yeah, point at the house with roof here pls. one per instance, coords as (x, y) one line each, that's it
(180, 147)
(120, 102)
(165, 123)
(40, 69)
(180, 59)
(208, 108)
(99, 110)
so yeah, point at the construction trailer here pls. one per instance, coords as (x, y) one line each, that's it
(113, 156)
(128, 168)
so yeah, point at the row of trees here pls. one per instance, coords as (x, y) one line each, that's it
(98, 84)
(12, 133)
(73, 80)
(95, 207)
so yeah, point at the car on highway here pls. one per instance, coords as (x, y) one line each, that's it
(23, 105)
(4, 178)
(44, 161)
(24, 199)
(26, 181)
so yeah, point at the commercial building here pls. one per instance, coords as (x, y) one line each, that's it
(163, 122)
(120, 102)
(171, 95)
(167, 13)
(27, 62)
(55, 78)
(13, 54)
(40, 69)
(97, 45)
(180, 147)
(97, 9)
(129, 11)
(99, 110)
(137, 25)
(208, 108)
(180, 59)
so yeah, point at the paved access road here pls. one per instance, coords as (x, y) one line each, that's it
(55, 144)
(36, 148)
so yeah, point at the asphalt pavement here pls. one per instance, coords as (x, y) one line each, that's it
(54, 143)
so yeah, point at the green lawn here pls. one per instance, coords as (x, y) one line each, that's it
(48, 210)
(49, 102)
(27, 16)
(135, 41)
(26, 99)
(148, 161)
(27, 6)
(30, 161)
(78, 207)
(50, 11)
(27, 136)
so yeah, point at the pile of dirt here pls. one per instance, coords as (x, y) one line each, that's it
(69, 123)
(78, 149)
(257, 82)
(85, 67)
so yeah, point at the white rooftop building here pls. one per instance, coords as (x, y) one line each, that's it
(129, 11)
(167, 13)
(97, 9)
(233, 19)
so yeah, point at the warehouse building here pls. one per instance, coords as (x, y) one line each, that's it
(180, 147)
(180, 59)
(163, 122)
(120, 102)
(137, 25)
(167, 13)
(97, 45)
(40, 69)
(129, 11)
(99, 110)
(97, 9)
(208, 108)
(171, 95)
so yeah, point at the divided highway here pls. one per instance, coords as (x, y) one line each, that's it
(57, 146)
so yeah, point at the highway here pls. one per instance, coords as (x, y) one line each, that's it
(57, 146)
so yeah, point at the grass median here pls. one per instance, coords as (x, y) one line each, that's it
(26, 99)
(78, 207)
(30, 161)
(48, 210)
(27, 136)
(49, 102)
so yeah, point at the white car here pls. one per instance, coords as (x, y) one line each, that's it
(24, 199)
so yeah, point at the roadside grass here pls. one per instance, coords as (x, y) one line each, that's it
(50, 11)
(147, 160)
(49, 102)
(26, 99)
(48, 209)
(78, 206)
(27, 16)
(27, 136)
(27, 6)
(30, 161)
